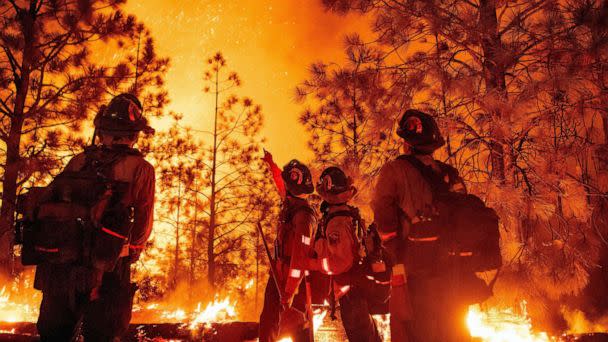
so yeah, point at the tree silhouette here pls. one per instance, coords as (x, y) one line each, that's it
(51, 81)
(232, 171)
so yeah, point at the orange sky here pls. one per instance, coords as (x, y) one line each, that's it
(270, 43)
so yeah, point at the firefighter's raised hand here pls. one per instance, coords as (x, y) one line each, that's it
(268, 157)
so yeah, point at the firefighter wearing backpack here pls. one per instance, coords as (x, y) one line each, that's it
(284, 309)
(436, 235)
(90, 225)
(339, 251)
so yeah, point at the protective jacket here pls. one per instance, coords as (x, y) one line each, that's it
(293, 244)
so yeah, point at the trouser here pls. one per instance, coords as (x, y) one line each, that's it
(269, 318)
(356, 318)
(104, 319)
(439, 312)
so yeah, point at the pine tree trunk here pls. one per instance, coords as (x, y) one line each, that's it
(177, 228)
(9, 197)
(193, 240)
(212, 203)
(494, 77)
(13, 155)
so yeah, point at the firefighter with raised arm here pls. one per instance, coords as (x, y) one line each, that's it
(88, 226)
(433, 275)
(340, 254)
(284, 308)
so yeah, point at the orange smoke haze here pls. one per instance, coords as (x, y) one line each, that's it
(270, 43)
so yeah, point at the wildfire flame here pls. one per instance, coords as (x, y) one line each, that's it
(219, 310)
(12, 311)
(216, 311)
(503, 325)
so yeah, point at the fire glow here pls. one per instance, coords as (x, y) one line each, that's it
(217, 311)
(503, 325)
(488, 324)
(11, 311)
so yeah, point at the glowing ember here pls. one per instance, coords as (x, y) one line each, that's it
(503, 325)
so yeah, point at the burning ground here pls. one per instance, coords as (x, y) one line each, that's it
(221, 319)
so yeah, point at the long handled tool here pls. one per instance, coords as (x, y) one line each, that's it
(309, 312)
(274, 275)
(273, 265)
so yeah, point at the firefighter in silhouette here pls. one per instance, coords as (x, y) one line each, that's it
(429, 300)
(90, 224)
(284, 308)
(340, 253)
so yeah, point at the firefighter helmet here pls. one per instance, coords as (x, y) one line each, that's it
(334, 181)
(122, 117)
(297, 177)
(420, 131)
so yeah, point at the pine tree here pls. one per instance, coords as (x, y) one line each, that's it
(232, 165)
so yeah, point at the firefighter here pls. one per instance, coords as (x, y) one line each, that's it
(425, 305)
(95, 297)
(339, 251)
(297, 221)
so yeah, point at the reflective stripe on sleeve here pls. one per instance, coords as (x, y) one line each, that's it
(426, 239)
(295, 273)
(113, 233)
(462, 254)
(387, 236)
(325, 262)
(306, 240)
(344, 289)
(47, 250)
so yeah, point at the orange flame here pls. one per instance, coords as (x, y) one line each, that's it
(13, 311)
(503, 325)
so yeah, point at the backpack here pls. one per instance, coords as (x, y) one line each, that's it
(369, 272)
(459, 232)
(71, 220)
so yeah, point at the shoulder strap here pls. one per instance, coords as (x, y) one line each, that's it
(435, 180)
(102, 160)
